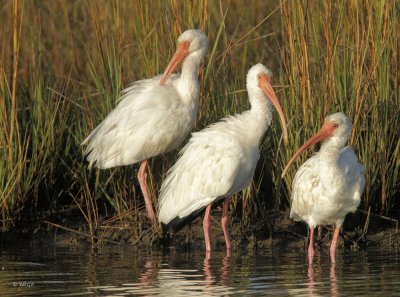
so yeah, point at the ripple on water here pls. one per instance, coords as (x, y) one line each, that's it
(120, 271)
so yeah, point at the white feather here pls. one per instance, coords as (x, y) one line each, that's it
(217, 161)
(150, 119)
(328, 185)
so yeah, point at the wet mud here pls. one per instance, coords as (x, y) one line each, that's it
(359, 231)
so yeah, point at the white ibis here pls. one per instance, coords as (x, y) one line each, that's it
(220, 160)
(328, 185)
(153, 116)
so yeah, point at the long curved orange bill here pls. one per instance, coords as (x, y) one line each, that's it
(326, 131)
(265, 84)
(181, 53)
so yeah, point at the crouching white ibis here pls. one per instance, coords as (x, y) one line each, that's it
(328, 185)
(220, 160)
(153, 115)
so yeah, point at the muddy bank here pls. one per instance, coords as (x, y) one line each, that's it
(280, 231)
(274, 231)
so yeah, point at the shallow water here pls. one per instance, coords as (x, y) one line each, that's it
(126, 271)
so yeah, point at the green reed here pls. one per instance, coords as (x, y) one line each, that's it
(343, 56)
(63, 65)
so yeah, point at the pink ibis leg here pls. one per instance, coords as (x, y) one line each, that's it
(225, 223)
(206, 228)
(311, 247)
(142, 177)
(334, 244)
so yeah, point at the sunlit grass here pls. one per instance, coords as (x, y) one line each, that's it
(334, 64)
(63, 65)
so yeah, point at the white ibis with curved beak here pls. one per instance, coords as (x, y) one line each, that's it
(153, 115)
(328, 185)
(220, 160)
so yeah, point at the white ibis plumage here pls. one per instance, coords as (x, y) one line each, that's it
(328, 185)
(153, 115)
(220, 160)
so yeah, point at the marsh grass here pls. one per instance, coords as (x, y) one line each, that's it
(344, 56)
(63, 65)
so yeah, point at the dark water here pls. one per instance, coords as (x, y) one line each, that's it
(126, 271)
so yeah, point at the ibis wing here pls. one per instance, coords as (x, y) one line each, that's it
(209, 168)
(305, 188)
(144, 111)
(354, 175)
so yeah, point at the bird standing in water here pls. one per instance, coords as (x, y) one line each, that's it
(328, 185)
(153, 115)
(220, 160)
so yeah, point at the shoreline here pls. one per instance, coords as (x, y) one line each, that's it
(359, 231)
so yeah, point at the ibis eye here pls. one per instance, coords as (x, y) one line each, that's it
(336, 126)
(259, 76)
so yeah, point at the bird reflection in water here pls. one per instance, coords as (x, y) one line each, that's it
(334, 289)
(225, 270)
(311, 280)
(152, 268)
(332, 280)
(158, 278)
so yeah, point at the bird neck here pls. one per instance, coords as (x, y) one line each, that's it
(188, 84)
(330, 152)
(190, 67)
(333, 145)
(260, 114)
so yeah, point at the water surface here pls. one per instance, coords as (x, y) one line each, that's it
(127, 271)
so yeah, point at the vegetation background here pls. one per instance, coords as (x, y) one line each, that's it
(64, 63)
